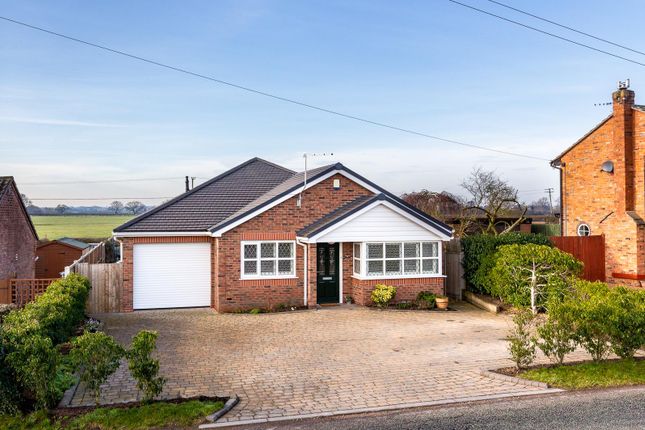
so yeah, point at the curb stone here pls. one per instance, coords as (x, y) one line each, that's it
(490, 373)
(378, 409)
(230, 404)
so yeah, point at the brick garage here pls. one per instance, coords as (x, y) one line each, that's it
(325, 217)
(610, 203)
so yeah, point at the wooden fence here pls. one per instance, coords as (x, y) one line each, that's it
(23, 291)
(107, 285)
(455, 282)
(588, 249)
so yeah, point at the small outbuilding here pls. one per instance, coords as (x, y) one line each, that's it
(54, 255)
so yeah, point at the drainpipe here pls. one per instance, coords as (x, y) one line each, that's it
(305, 267)
(559, 165)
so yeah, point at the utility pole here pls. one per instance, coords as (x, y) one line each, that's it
(550, 191)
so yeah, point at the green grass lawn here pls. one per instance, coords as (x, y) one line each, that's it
(590, 375)
(77, 226)
(155, 415)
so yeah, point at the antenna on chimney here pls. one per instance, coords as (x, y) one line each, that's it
(623, 85)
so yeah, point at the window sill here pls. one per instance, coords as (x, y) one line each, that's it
(369, 278)
(262, 278)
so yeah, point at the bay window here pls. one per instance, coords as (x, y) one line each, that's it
(268, 259)
(394, 259)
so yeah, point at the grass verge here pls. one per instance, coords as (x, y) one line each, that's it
(604, 374)
(144, 417)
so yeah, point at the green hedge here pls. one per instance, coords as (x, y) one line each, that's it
(479, 249)
(31, 365)
(516, 269)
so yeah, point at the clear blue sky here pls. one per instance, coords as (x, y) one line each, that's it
(70, 112)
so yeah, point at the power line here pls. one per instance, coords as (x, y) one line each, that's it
(266, 94)
(97, 198)
(546, 32)
(567, 27)
(101, 181)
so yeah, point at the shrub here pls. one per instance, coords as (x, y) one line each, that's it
(98, 354)
(479, 249)
(143, 367)
(593, 315)
(30, 361)
(382, 295)
(557, 332)
(521, 343)
(34, 361)
(627, 321)
(426, 300)
(530, 275)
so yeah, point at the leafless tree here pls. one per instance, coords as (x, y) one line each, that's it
(493, 198)
(135, 207)
(25, 200)
(116, 207)
(61, 209)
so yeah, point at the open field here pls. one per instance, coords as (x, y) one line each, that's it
(77, 226)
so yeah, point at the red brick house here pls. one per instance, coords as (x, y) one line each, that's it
(602, 179)
(18, 237)
(261, 235)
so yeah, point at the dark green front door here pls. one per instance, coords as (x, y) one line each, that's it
(328, 273)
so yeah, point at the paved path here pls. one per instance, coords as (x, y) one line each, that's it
(313, 362)
(618, 409)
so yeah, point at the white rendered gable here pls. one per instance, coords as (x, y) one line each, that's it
(379, 222)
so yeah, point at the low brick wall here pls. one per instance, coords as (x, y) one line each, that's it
(406, 288)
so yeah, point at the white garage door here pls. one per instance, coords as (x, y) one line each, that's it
(172, 275)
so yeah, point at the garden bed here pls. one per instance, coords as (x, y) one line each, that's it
(182, 412)
(584, 374)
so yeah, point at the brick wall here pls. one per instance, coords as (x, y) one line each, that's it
(612, 204)
(406, 288)
(17, 241)
(279, 222)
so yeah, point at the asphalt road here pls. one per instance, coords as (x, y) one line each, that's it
(606, 409)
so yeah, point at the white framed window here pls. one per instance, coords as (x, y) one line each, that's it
(357, 259)
(584, 230)
(268, 259)
(397, 259)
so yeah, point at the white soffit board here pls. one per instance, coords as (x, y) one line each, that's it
(378, 223)
(171, 275)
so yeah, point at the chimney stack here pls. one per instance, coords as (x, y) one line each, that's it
(623, 134)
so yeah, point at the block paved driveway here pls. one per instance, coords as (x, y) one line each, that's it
(309, 362)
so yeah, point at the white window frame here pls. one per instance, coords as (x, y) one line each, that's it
(363, 261)
(583, 224)
(276, 259)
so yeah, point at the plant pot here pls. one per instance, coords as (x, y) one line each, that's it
(442, 303)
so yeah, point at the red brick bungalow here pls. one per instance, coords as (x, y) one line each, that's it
(18, 237)
(602, 178)
(260, 235)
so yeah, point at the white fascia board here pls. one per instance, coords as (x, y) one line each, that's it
(389, 205)
(160, 233)
(219, 232)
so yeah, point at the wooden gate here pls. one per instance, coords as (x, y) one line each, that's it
(588, 249)
(107, 286)
(455, 282)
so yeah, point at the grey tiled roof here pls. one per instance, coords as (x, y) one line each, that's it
(297, 180)
(244, 189)
(213, 201)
